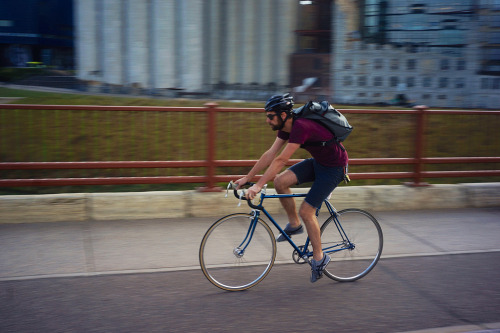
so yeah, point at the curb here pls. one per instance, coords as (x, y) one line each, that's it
(181, 204)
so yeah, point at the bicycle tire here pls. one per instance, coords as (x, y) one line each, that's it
(221, 259)
(351, 262)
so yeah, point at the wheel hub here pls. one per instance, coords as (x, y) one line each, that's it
(238, 252)
(350, 246)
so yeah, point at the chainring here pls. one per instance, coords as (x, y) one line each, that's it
(296, 258)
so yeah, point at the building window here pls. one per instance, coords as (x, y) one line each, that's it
(426, 96)
(494, 19)
(410, 82)
(494, 37)
(363, 64)
(496, 83)
(361, 81)
(314, 29)
(379, 63)
(460, 64)
(348, 64)
(374, 22)
(411, 64)
(443, 82)
(318, 63)
(445, 64)
(347, 81)
(485, 83)
(450, 34)
(460, 83)
(490, 58)
(6, 23)
(394, 80)
(442, 97)
(361, 94)
(377, 81)
(427, 82)
(417, 9)
(394, 64)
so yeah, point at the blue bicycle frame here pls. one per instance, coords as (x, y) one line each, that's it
(344, 245)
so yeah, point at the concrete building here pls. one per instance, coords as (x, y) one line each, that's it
(437, 53)
(184, 46)
(440, 53)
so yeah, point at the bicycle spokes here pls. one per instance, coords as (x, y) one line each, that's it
(248, 237)
(237, 252)
(354, 237)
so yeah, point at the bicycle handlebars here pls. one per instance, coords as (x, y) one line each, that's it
(242, 195)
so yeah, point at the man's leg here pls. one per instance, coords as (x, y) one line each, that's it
(282, 184)
(326, 180)
(308, 215)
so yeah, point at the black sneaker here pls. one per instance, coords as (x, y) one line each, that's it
(317, 267)
(290, 231)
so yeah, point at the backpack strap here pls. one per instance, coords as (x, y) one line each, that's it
(323, 143)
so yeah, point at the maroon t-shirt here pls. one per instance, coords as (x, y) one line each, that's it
(307, 130)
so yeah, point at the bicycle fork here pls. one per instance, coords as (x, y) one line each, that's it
(239, 251)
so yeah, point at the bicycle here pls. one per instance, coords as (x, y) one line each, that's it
(239, 250)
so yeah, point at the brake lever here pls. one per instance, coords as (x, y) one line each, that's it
(232, 185)
(241, 196)
(229, 186)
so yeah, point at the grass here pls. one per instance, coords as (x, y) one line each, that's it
(43, 135)
(48, 98)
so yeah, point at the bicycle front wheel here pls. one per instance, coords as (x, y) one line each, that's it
(237, 252)
(354, 241)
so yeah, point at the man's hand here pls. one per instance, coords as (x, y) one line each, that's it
(242, 181)
(252, 191)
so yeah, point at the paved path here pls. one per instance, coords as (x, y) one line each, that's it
(38, 252)
(455, 293)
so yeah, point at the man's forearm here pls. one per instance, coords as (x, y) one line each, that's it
(278, 163)
(271, 172)
(264, 161)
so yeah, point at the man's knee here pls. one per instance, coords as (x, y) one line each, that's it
(284, 180)
(306, 211)
(278, 183)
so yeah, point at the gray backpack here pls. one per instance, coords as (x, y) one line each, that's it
(329, 117)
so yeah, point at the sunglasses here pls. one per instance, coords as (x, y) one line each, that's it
(271, 116)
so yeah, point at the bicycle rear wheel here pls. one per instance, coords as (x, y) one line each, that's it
(354, 240)
(237, 252)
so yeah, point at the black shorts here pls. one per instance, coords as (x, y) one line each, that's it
(325, 179)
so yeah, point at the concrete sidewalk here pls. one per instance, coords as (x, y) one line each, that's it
(42, 250)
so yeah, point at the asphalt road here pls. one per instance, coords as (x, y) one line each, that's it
(401, 294)
(439, 270)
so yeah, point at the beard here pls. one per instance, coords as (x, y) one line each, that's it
(279, 126)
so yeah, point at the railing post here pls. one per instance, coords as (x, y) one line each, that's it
(211, 138)
(419, 145)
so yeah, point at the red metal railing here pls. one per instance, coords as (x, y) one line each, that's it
(211, 178)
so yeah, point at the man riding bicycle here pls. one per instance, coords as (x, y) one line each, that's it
(325, 169)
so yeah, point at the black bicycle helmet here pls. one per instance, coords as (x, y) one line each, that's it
(279, 103)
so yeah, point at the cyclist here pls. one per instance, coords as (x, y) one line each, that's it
(326, 169)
